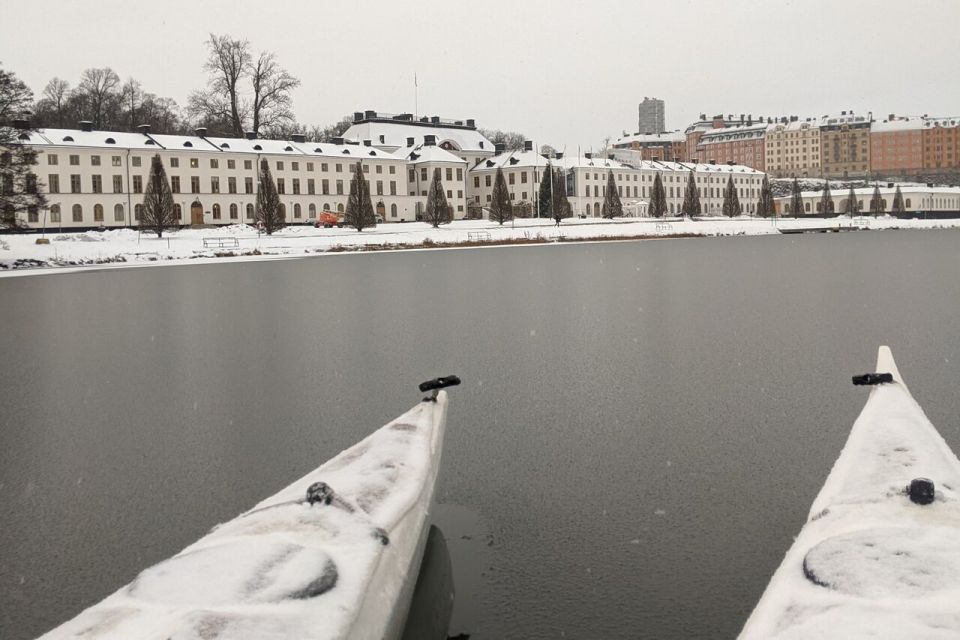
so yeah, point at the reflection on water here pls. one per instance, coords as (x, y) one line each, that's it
(434, 595)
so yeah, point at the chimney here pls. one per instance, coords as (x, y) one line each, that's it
(357, 116)
(201, 132)
(693, 161)
(369, 115)
(892, 116)
(471, 122)
(609, 156)
(429, 140)
(144, 129)
(298, 138)
(409, 142)
(588, 155)
(559, 155)
(712, 161)
(528, 145)
(338, 140)
(383, 138)
(250, 135)
(499, 148)
(729, 163)
(435, 119)
(889, 185)
(86, 125)
(366, 143)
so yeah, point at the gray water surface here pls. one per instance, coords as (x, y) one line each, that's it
(640, 433)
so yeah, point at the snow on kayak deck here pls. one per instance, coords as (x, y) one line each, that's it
(289, 569)
(870, 563)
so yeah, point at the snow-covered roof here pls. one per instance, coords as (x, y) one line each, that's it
(665, 137)
(844, 118)
(512, 160)
(394, 134)
(244, 145)
(907, 189)
(182, 143)
(421, 154)
(105, 139)
(794, 125)
(914, 123)
(583, 162)
(734, 133)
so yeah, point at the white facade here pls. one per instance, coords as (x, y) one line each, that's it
(916, 199)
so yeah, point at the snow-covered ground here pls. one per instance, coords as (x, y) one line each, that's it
(20, 253)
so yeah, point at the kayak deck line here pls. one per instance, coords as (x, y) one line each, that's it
(334, 555)
(872, 561)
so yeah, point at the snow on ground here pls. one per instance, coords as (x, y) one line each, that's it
(870, 563)
(18, 252)
(292, 569)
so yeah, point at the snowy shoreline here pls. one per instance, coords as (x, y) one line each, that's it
(19, 255)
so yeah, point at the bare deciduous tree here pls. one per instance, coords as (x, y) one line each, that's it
(272, 85)
(221, 103)
(99, 87)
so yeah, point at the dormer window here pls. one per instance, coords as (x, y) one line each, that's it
(188, 144)
(68, 138)
(257, 147)
(110, 141)
(149, 142)
(225, 146)
(346, 151)
(288, 148)
(318, 150)
(373, 153)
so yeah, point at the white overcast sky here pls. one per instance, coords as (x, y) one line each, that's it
(563, 72)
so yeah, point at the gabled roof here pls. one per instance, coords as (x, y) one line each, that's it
(426, 154)
(666, 137)
(511, 160)
(181, 143)
(392, 135)
(98, 139)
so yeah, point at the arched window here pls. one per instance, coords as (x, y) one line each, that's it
(98, 213)
(819, 207)
(806, 207)
(296, 210)
(312, 210)
(55, 213)
(250, 211)
(138, 211)
(118, 213)
(282, 209)
(178, 211)
(907, 204)
(393, 211)
(326, 206)
(216, 211)
(339, 208)
(234, 212)
(77, 213)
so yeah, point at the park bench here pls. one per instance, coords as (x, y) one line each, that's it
(664, 226)
(220, 243)
(478, 236)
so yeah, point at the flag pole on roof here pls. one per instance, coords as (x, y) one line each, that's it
(415, 96)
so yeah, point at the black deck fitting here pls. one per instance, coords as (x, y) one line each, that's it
(871, 379)
(921, 491)
(319, 492)
(439, 383)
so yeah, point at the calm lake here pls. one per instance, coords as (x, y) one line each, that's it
(640, 433)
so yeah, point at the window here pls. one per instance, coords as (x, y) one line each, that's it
(138, 211)
(214, 163)
(95, 161)
(393, 208)
(325, 186)
(136, 161)
(250, 212)
(98, 213)
(194, 163)
(214, 184)
(296, 210)
(53, 183)
(450, 174)
(77, 213)
(232, 184)
(310, 168)
(459, 173)
(313, 208)
(280, 186)
(295, 166)
(413, 175)
(194, 184)
(323, 167)
(248, 185)
(115, 161)
(33, 214)
(510, 178)
(339, 187)
(248, 164)
(52, 158)
(279, 165)
(379, 187)
(75, 183)
(177, 211)
(118, 184)
(379, 168)
(233, 211)
(476, 182)
(174, 162)
(423, 174)
(283, 211)
(216, 211)
(231, 164)
(907, 204)
(97, 183)
(74, 160)
(523, 177)
(393, 187)
(175, 184)
(295, 183)
(311, 186)
(118, 213)
(393, 170)
(488, 181)
(55, 213)
(339, 167)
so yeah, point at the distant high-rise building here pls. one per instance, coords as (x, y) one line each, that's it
(651, 118)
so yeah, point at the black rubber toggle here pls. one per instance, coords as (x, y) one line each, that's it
(439, 383)
(871, 379)
(319, 492)
(921, 491)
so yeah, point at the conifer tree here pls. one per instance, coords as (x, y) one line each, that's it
(20, 190)
(765, 206)
(876, 201)
(691, 197)
(826, 200)
(658, 198)
(158, 213)
(850, 207)
(898, 202)
(438, 211)
(269, 213)
(796, 200)
(359, 213)
(501, 209)
(544, 197)
(731, 201)
(612, 207)
(559, 205)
